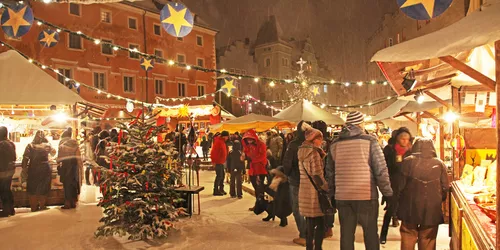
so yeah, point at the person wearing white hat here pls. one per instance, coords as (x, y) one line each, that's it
(358, 166)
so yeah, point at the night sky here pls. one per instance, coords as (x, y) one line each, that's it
(338, 28)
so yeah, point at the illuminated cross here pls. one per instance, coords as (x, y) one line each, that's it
(301, 62)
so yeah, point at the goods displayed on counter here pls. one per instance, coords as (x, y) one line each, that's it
(481, 181)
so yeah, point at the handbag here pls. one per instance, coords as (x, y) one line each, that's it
(325, 201)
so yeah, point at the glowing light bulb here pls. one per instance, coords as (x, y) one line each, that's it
(347, 84)
(373, 82)
(99, 91)
(44, 67)
(67, 79)
(188, 67)
(385, 83)
(272, 84)
(332, 81)
(77, 84)
(30, 60)
(256, 79)
(39, 23)
(171, 62)
(115, 48)
(388, 98)
(97, 41)
(58, 30)
(79, 32)
(223, 70)
(360, 83)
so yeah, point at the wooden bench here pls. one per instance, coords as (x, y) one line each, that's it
(187, 193)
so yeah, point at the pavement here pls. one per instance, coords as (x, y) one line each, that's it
(224, 223)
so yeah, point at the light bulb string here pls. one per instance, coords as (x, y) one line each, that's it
(200, 68)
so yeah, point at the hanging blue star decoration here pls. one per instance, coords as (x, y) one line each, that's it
(48, 38)
(424, 9)
(147, 64)
(176, 19)
(17, 20)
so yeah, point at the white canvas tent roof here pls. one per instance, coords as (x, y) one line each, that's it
(477, 29)
(23, 83)
(251, 121)
(307, 111)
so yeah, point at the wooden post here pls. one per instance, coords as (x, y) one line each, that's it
(455, 100)
(441, 135)
(497, 62)
(419, 121)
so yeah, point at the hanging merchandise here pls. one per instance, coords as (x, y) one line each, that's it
(228, 86)
(17, 20)
(129, 107)
(215, 115)
(481, 102)
(176, 19)
(424, 9)
(147, 64)
(48, 38)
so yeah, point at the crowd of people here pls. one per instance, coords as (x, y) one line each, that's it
(296, 168)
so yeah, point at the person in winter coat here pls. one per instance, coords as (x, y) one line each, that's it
(329, 219)
(291, 170)
(69, 158)
(358, 166)
(205, 147)
(94, 140)
(113, 135)
(255, 152)
(100, 149)
(421, 191)
(275, 148)
(39, 173)
(218, 156)
(398, 148)
(236, 166)
(278, 189)
(311, 167)
(7, 169)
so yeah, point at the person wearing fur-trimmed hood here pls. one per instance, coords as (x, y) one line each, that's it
(279, 190)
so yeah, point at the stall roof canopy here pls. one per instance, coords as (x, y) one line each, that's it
(260, 123)
(390, 111)
(23, 83)
(477, 29)
(307, 111)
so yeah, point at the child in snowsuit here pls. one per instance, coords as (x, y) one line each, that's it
(236, 167)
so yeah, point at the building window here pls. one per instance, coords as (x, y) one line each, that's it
(231, 70)
(106, 47)
(65, 73)
(181, 89)
(237, 71)
(284, 61)
(325, 88)
(268, 62)
(128, 84)
(391, 42)
(158, 53)
(159, 87)
(199, 40)
(100, 80)
(105, 16)
(75, 41)
(181, 58)
(74, 9)
(180, 39)
(157, 29)
(244, 72)
(131, 54)
(200, 62)
(132, 23)
(398, 38)
(201, 90)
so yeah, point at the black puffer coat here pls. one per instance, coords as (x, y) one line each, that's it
(291, 159)
(423, 186)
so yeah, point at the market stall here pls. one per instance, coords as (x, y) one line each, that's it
(305, 110)
(40, 103)
(260, 123)
(461, 60)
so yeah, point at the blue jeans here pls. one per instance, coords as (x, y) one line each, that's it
(299, 219)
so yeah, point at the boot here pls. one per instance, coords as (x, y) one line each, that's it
(43, 201)
(300, 241)
(328, 233)
(284, 222)
(73, 204)
(217, 193)
(395, 222)
(33, 203)
(67, 205)
(268, 218)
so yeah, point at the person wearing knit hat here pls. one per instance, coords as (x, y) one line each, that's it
(359, 168)
(311, 164)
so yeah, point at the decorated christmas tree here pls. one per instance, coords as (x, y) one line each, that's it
(139, 199)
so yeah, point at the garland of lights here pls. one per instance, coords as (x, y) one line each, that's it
(174, 99)
(271, 81)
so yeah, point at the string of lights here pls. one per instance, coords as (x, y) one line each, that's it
(338, 107)
(171, 62)
(174, 99)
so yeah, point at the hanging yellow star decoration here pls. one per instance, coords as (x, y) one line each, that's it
(147, 64)
(175, 16)
(315, 90)
(17, 21)
(428, 5)
(228, 85)
(183, 111)
(48, 38)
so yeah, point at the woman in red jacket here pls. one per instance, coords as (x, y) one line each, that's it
(256, 153)
(218, 157)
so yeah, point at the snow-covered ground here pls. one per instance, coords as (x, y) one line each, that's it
(224, 223)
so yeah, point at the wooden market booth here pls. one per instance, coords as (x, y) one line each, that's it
(458, 61)
(33, 100)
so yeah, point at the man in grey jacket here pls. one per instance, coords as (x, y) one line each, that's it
(358, 166)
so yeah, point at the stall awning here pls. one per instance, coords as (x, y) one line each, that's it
(307, 111)
(477, 29)
(260, 123)
(23, 83)
(390, 111)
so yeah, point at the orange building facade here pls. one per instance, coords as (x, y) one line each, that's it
(119, 72)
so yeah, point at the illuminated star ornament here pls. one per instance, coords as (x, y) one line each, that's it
(183, 111)
(176, 19)
(147, 64)
(424, 9)
(17, 21)
(228, 86)
(315, 90)
(48, 38)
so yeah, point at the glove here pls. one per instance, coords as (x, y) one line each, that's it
(387, 201)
